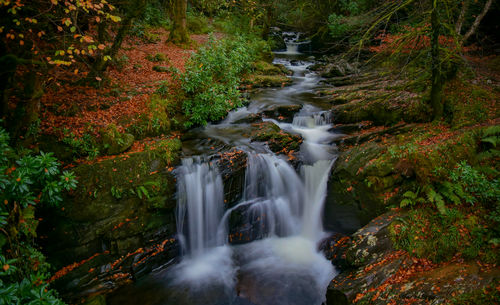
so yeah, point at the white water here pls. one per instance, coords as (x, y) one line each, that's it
(284, 208)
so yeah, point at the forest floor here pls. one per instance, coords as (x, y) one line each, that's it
(128, 86)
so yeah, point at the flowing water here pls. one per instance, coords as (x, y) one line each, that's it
(284, 206)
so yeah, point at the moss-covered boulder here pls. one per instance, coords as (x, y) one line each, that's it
(115, 142)
(262, 81)
(122, 203)
(382, 274)
(278, 140)
(282, 112)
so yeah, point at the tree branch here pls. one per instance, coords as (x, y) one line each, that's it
(476, 23)
(461, 17)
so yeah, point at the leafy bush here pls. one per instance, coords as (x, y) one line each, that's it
(84, 146)
(198, 24)
(213, 75)
(25, 183)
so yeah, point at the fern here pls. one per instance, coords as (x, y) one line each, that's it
(492, 139)
(491, 131)
(436, 198)
(450, 191)
(411, 199)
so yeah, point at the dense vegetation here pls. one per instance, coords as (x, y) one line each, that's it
(74, 88)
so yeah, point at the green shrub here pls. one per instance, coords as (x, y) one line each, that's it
(198, 24)
(25, 183)
(212, 78)
(81, 147)
(158, 57)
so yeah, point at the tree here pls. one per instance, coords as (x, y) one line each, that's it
(132, 10)
(178, 15)
(442, 39)
(436, 78)
(38, 36)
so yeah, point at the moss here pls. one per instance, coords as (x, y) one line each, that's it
(158, 57)
(277, 139)
(161, 69)
(96, 300)
(265, 68)
(116, 203)
(259, 81)
(424, 233)
(115, 142)
(485, 296)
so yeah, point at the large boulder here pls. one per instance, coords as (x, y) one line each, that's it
(378, 273)
(123, 206)
(340, 67)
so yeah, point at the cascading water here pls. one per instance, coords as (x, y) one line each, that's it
(201, 204)
(199, 212)
(280, 264)
(292, 41)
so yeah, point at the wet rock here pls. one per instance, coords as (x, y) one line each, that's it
(282, 112)
(278, 140)
(232, 167)
(339, 68)
(348, 191)
(381, 274)
(252, 118)
(121, 205)
(276, 40)
(262, 81)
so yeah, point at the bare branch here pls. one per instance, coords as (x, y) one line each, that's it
(476, 23)
(461, 17)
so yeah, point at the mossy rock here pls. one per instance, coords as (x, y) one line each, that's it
(282, 112)
(261, 81)
(161, 69)
(265, 68)
(96, 300)
(116, 204)
(277, 139)
(115, 142)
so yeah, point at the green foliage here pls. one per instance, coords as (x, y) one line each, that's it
(158, 57)
(198, 24)
(81, 147)
(26, 182)
(411, 199)
(439, 237)
(476, 186)
(154, 15)
(485, 296)
(213, 75)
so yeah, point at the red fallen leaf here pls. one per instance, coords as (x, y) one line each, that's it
(349, 189)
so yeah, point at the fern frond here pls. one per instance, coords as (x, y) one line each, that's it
(491, 139)
(447, 189)
(492, 130)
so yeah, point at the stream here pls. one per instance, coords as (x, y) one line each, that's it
(284, 205)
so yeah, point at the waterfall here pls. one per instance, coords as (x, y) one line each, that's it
(315, 179)
(200, 206)
(292, 42)
(276, 191)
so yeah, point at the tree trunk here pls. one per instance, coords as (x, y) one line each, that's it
(100, 65)
(461, 17)
(437, 81)
(478, 20)
(179, 33)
